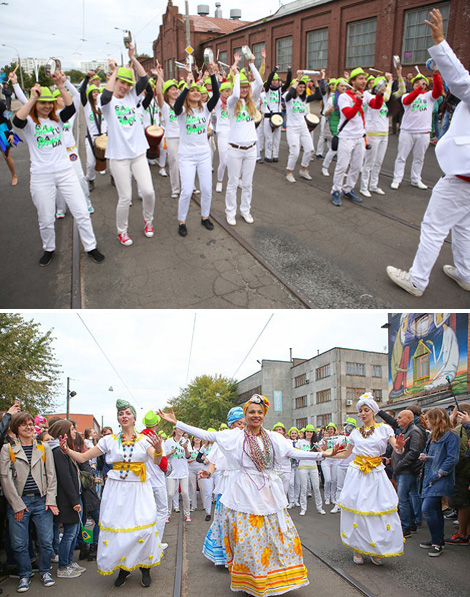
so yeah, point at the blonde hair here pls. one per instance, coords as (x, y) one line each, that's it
(439, 422)
(249, 105)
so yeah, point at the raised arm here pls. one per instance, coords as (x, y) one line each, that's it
(258, 83)
(83, 88)
(78, 456)
(212, 103)
(20, 117)
(20, 96)
(209, 436)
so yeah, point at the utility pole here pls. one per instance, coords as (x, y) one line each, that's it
(67, 408)
(188, 32)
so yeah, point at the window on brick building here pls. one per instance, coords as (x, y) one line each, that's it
(256, 49)
(246, 395)
(354, 393)
(376, 370)
(301, 402)
(378, 395)
(324, 396)
(417, 36)
(356, 369)
(323, 419)
(239, 52)
(317, 49)
(322, 372)
(301, 423)
(360, 44)
(223, 57)
(284, 52)
(300, 380)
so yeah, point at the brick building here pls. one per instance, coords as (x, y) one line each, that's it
(332, 34)
(82, 421)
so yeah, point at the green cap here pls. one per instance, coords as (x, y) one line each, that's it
(181, 84)
(225, 85)
(417, 78)
(56, 94)
(370, 77)
(332, 81)
(293, 429)
(203, 89)
(355, 73)
(305, 79)
(331, 425)
(339, 81)
(212, 430)
(92, 88)
(207, 81)
(244, 80)
(151, 419)
(223, 426)
(169, 83)
(125, 74)
(310, 427)
(303, 430)
(46, 95)
(379, 80)
(276, 77)
(351, 421)
(278, 425)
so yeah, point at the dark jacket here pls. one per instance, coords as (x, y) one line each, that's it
(4, 425)
(408, 463)
(443, 456)
(90, 497)
(68, 487)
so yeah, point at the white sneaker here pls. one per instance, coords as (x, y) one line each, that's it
(102, 172)
(378, 191)
(196, 191)
(451, 271)
(325, 172)
(305, 174)
(175, 195)
(297, 504)
(302, 513)
(164, 545)
(77, 567)
(177, 510)
(395, 184)
(218, 187)
(162, 172)
(402, 279)
(365, 193)
(290, 506)
(420, 184)
(60, 214)
(248, 218)
(357, 558)
(290, 177)
(335, 509)
(327, 502)
(187, 519)
(55, 559)
(68, 573)
(231, 220)
(152, 162)
(321, 511)
(240, 183)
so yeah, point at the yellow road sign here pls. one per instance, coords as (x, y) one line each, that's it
(189, 50)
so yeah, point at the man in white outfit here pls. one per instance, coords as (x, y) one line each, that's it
(449, 206)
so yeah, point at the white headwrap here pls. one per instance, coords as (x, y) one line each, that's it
(368, 400)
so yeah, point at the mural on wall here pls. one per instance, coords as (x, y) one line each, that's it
(425, 349)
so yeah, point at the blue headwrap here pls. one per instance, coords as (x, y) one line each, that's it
(234, 414)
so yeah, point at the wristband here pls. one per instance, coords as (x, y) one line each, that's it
(157, 454)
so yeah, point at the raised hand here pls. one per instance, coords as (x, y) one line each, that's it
(211, 68)
(131, 50)
(63, 443)
(389, 77)
(13, 78)
(401, 441)
(263, 53)
(237, 57)
(36, 91)
(15, 407)
(169, 417)
(91, 73)
(436, 26)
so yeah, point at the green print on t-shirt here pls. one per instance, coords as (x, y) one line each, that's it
(173, 118)
(125, 115)
(224, 114)
(419, 105)
(383, 111)
(47, 135)
(298, 107)
(195, 125)
(244, 116)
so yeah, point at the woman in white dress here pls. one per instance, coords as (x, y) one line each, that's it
(264, 552)
(370, 524)
(128, 535)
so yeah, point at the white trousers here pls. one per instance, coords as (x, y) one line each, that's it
(121, 171)
(172, 149)
(43, 193)
(350, 153)
(222, 147)
(260, 141)
(305, 475)
(418, 142)
(77, 166)
(161, 500)
(340, 477)
(272, 139)
(322, 137)
(299, 137)
(448, 210)
(294, 486)
(285, 478)
(206, 487)
(329, 473)
(172, 487)
(189, 165)
(373, 160)
(161, 161)
(240, 163)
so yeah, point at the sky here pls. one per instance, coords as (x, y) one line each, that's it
(57, 29)
(150, 350)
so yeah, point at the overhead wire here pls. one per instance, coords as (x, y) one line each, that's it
(253, 345)
(191, 348)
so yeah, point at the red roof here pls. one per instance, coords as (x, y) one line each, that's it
(220, 26)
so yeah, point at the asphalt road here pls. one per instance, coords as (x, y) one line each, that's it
(334, 257)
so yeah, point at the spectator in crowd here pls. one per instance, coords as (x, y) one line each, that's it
(29, 483)
(440, 457)
(7, 93)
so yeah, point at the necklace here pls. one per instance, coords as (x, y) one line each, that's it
(365, 434)
(262, 457)
(126, 457)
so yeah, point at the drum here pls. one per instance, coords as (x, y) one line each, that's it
(100, 150)
(276, 121)
(154, 134)
(258, 118)
(312, 121)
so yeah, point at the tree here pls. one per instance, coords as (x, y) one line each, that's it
(76, 76)
(206, 401)
(28, 368)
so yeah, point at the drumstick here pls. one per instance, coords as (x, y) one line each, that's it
(417, 70)
(16, 69)
(376, 71)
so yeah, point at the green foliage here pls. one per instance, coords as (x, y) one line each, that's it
(206, 401)
(28, 369)
(76, 76)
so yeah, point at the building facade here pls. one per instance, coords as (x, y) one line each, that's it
(27, 64)
(319, 390)
(82, 421)
(94, 65)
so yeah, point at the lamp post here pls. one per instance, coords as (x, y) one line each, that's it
(19, 63)
(108, 43)
(69, 395)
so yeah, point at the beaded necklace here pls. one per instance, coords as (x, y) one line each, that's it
(365, 434)
(126, 458)
(262, 457)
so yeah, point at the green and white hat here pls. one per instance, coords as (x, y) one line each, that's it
(46, 95)
(125, 74)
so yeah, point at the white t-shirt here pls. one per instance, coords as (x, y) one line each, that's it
(46, 146)
(262, 102)
(273, 101)
(355, 127)
(91, 119)
(193, 131)
(178, 460)
(304, 444)
(126, 137)
(170, 122)
(296, 109)
(376, 120)
(152, 114)
(223, 118)
(242, 125)
(418, 115)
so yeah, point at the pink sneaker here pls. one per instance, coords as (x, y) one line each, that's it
(149, 231)
(125, 239)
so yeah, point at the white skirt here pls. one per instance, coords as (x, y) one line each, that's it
(128, 535)
(369, 513)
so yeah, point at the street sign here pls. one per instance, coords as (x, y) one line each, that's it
(189, 50)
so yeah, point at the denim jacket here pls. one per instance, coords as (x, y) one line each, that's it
(443, 456)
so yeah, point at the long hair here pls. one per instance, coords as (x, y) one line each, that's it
(249, 104)
(439, 422)
(53, 115)
(187, 107)
(96, 109)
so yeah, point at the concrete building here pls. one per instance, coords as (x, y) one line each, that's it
(94, 65)
(27, 64)
(318, 390)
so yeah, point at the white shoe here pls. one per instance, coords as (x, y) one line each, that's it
(187, 519)
(102, 172)
(335, 509)
(175, 195)
(451, 271)
(196, 191)
(248, 218)
(325, 172)
(60, 214)
(378, 191)
(365, 193)
(164, 545)
(420, 184)
(231, 220)
(327, 502)
(162, 172)
(357, 558)
(402, 279)
(240, 183)
(218, 187)
(395, 184)
(305, 174)
(290, 506)
(177, 510)
(376, 560)
(77, 567)
(68, 573)
(55, 559)
(302, 513)
(297, 504)
(290, 177)
(152, 162)
(321, 511)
